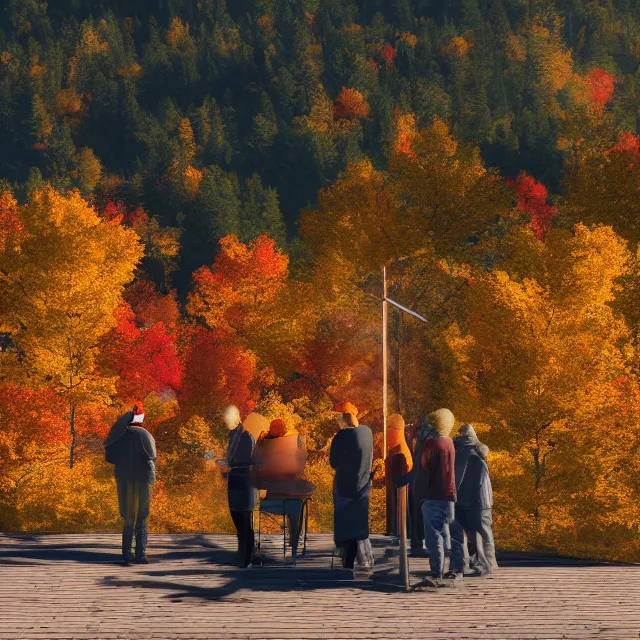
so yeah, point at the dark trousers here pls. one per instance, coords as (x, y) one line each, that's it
(476, 523)
(134, 500)
(416, 522)
(244, 529)
(349, 553)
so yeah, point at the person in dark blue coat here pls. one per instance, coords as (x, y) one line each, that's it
(132, 451)
(242, 496)
(351, 455)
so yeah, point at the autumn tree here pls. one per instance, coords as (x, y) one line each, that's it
(62, 283)
(248, 296)
(539, 356)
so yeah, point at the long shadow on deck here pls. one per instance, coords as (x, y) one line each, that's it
(32, 551)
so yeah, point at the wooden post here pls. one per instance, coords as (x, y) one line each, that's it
(401, 501)
(385, 361)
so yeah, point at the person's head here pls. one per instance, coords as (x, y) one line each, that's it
(441, 421)
(467, 430)
(231, 417)
(396, 435)
(347, 415)
(138, 413)
(277, 428)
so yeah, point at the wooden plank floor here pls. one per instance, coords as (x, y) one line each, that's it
(71, 586)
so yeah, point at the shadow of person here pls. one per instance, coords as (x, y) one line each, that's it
(280, 578)
(37, 549)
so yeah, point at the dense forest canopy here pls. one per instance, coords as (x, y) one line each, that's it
(196, 202)
(109, 96)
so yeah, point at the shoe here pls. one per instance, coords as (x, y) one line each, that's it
(127, 559)
(428, 583)
(143, 560)
(476, 573)
(453, 575)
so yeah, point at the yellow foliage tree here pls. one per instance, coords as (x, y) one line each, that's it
(540, 357)
(60, 286)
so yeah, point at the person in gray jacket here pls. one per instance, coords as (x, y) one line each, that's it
(473, 510)
(132, 451)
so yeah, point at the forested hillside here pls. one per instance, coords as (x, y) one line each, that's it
(224, 117)
(196, 202)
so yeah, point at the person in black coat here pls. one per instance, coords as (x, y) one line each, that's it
(132, 451)
(351, 455)
(241, 494)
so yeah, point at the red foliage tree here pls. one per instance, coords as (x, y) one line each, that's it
(146, 360)
(388, 55)
(150, 306)
(218, 371)
(30, 416)
(627, 143)
(350, 105)
(532, 201)
(601, 85)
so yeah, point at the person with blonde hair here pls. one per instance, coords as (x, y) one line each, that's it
(242, 496)
(435, 486)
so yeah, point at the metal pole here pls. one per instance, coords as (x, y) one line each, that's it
(385, 362)
(401, 500)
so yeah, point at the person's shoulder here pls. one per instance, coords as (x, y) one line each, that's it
(141, 432)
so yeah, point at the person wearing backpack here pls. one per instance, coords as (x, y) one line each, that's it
(473, 510)
(132, 451)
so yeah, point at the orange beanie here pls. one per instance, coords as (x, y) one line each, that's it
(347, 407)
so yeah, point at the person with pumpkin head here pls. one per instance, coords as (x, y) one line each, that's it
(398, 465)
(351, 455)
(132, 451)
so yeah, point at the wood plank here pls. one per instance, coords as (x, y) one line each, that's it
(71, 586)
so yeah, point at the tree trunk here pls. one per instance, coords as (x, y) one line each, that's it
(538, 469)
(72, 425)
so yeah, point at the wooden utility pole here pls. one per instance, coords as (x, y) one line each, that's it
(385, 361)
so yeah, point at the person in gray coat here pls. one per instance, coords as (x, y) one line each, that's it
(473, 510)
(132, 451)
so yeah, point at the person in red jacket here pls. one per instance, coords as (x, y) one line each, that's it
(436, 486)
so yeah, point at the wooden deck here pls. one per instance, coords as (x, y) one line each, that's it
(71, 586)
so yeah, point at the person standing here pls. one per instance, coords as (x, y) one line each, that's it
(241, 495)
(474, 503)
(351, 455)
(398, 465)
(435, 487)
(132, 451)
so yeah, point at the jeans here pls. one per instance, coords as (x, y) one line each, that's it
(475, 523)
(244, 530)
(437, 515)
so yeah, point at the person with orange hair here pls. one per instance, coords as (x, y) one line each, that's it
(398, 465)
(279, 461)
(351, 455)
(132, 451)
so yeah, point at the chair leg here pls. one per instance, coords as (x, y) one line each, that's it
(284, 530)
(305, 506)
